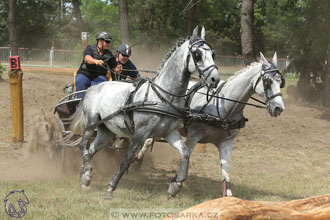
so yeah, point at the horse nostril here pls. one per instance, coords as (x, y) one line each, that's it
(277, 111)
(212, 79)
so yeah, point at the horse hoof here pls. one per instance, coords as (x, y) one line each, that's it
(108, 195)
(229, 193)
(174, 189)
(85, 187)
(86, 178)
(171, 197)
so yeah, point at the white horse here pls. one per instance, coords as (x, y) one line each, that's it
(151, 109)
(218, 120)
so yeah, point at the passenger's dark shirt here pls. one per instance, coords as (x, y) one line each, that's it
(129, 69)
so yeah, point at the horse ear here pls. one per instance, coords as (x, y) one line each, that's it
(274, 61)
(195, 33)
(203, 33)
(263, 60)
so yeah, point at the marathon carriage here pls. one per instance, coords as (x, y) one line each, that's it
(148, 109)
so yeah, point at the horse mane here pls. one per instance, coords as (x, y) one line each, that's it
(239, 72)
(178, 43)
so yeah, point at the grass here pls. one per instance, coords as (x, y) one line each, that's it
(63, 199)
(284, 177)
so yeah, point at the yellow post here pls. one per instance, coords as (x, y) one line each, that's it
(15, 79)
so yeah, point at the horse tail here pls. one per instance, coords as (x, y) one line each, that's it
(78, 123)
(77, 126)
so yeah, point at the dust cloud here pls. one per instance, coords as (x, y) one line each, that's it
(43, 156)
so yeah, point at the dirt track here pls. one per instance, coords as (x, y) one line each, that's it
(299, 127)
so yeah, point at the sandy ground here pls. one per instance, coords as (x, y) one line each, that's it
(299, 126)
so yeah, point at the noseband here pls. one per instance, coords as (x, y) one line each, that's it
(201, 72)
(266, 83)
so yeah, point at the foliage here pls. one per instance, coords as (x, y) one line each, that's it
(293, 28)
(101, 16)
(2, 69)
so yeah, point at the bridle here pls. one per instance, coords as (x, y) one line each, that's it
(196, 54)
(265, 77)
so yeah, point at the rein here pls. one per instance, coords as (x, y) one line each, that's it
(232, 100)
(261, 77)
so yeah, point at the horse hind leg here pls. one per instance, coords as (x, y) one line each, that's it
(147, 144)
(103, 136)
(175, 140)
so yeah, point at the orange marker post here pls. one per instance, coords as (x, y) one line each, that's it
(15, 78)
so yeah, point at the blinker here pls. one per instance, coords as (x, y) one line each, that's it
(197, 55)
(282, 82)
(213, 54)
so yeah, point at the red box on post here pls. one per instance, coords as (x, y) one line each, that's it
(14, 63)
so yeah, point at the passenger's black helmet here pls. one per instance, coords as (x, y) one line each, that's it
(124, 49)
(104, 36)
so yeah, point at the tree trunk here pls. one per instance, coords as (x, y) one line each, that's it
(247, 17)
(123, 21)
(191, 21)
(326, 79)
(77, 14)
(12, 27)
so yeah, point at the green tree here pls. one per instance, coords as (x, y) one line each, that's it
(12, 27)
(1, 71)
(326, 78)
(295, 28)
(247, 31)
(99, 16)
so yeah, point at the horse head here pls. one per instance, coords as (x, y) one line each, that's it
(202, 62)
(269, 85)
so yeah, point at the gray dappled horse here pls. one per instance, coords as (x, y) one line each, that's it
(262, 78)
(155, 109)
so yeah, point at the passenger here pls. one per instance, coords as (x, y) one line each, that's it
(122, 57)
(92, 70)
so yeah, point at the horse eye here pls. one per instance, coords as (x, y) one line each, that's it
(214, 54)
(268, 83)
(197, 55)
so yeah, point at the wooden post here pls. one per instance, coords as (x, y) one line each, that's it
(15, 78)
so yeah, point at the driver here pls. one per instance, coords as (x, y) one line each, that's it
(92, 70)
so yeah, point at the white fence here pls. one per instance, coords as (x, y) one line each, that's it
(73, 58)
(44, 57)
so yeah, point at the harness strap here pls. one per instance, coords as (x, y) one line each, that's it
(214, 121)
(274, 95)
(163, 99)
(197, 86)
(217, 101)
(129, 107)
(162, 109)
(128, 116)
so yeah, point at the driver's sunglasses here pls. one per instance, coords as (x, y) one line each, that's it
(125, 55)
(106, 41)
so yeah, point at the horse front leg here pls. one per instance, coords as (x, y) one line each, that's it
(175, 140)
(136, 142)
(225, 148)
